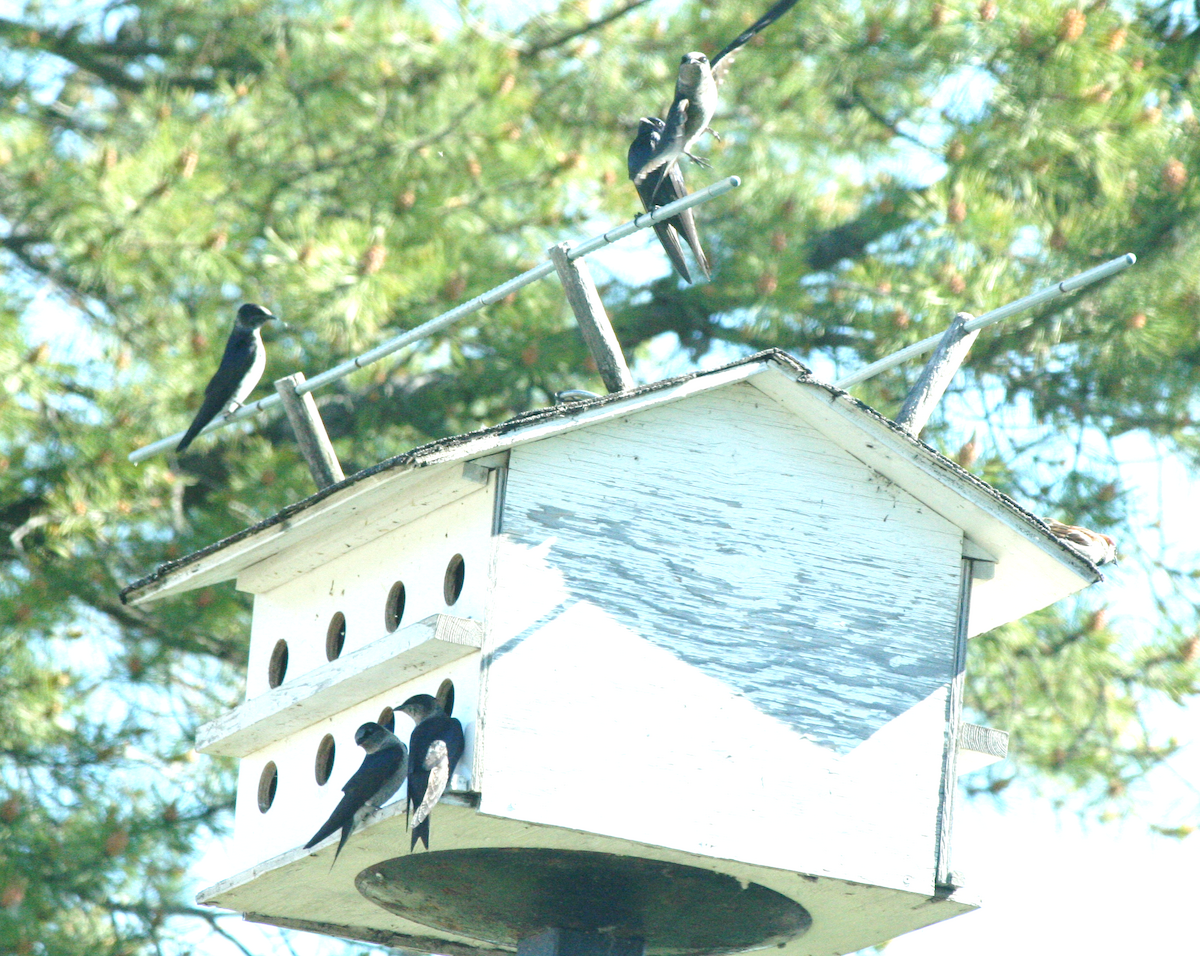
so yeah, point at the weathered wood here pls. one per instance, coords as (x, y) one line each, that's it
(935, 377)
(310, 538)
(722, 560)
(980, 747)
(1036, 569)
(406, 942)
(478, 470)
(593, 320)
(1029, 573)
(954, 723)
(300, 885)
(310, 431)
(984, 740)
(326, 690)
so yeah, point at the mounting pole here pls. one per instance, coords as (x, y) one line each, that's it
(567, 942)
(593, 320)
(1034, 299)
(446, 319)
(935, 378)
(310, 431)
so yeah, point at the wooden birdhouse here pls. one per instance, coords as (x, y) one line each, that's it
(707, 640)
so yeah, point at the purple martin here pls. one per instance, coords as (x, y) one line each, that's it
(240, 369)
(696, 98)
(654, 193)
(373, 783)
(435, 747)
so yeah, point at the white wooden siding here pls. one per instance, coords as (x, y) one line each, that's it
(301, 806)
(410, 653)
(697, 612)
(358, 580)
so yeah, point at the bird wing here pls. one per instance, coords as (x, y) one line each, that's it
(677, 189)
(374, 774)
(435, 748)
(240, 353)
(437, 762)
(640, 150)
(780, 8)
(670, 142)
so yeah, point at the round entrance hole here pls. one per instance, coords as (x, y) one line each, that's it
(268, 783)
(393, 612)
(335, 637)
(456, 573)
(324, 763)
(503, 895)
(277, 669)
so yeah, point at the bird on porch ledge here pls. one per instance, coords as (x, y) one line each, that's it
(372, 785)
(435, 747)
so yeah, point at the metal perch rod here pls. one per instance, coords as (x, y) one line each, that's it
(644, 221)
(1112, 267)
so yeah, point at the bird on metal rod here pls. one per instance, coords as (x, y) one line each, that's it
(241, 367)
(654, 192)
(696, 98)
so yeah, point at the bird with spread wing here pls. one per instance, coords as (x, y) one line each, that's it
(695, 100)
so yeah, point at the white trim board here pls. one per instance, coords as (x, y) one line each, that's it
(329, 689)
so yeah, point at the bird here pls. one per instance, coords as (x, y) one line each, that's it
(434, 749)
(696, 97)
(650, 130)
(240, 369)
(1096, 547)
(378, 777)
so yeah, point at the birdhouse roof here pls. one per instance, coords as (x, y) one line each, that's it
(1032, 568)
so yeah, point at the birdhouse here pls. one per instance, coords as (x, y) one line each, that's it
(707, 639)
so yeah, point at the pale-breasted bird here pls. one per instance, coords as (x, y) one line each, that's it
(240, 369)
(378, 777)
(654, 193)
(434, 749)
(696, 97)
(1096, 547)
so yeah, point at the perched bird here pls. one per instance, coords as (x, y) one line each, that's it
(240, 369)
(378, 777)
(1097, 548)
(650, 130)
(696, 99)
(435, 747)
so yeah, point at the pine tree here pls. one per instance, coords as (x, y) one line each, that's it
(360, 167)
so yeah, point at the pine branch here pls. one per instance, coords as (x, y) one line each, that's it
(534, 49)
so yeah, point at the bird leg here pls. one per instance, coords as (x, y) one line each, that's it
(698, 160)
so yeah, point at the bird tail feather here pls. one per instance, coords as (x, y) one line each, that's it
(420, 832)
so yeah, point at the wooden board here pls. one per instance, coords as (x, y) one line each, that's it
(714, 629)
(357, 582)
(330, 688)
(302, 804)
(1033, 571)
(298, 888)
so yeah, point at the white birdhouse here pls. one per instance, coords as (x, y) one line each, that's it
(706, 639)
